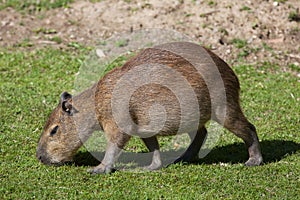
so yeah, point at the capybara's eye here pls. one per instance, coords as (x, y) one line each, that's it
(53, 131)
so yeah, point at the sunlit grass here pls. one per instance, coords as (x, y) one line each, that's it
(30, 85)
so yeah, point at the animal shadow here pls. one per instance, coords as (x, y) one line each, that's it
(272, 151)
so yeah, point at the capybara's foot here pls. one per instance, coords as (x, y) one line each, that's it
(254, 161)
(187, 159)
(153, 166)
(101, 169)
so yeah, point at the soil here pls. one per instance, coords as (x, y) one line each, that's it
(271, 33)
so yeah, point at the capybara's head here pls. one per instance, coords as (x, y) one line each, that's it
(59, 141)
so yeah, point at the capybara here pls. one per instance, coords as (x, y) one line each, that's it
(168, 89)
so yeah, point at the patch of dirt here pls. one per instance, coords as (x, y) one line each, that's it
(266, 26)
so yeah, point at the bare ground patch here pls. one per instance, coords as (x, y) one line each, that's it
(239, 31)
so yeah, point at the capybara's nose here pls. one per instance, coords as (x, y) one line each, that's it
(42, 159)
(40, 156)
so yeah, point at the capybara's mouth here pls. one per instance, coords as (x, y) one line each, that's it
(47, 161)
(54, 163)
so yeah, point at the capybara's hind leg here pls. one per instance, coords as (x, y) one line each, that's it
(153, 146)
(191, 154)
(237, 123)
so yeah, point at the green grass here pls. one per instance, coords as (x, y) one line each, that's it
(239, 43)
(30, 85)
(33, 5)
(294, 16)
(245, 8)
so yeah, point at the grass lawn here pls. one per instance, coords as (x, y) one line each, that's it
(30, 85)
(32, 80)
(31, 6)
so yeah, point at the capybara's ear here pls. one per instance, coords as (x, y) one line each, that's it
(66, 103)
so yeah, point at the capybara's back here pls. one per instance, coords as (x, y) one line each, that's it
(180, 84)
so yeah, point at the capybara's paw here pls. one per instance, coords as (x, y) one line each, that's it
(101, 169)
(187, 159)
(254, 161)
(153, 167)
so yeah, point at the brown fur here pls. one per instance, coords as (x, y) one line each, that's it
(89, 110)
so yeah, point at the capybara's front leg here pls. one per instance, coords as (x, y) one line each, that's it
(111, 155)
(116, 143)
